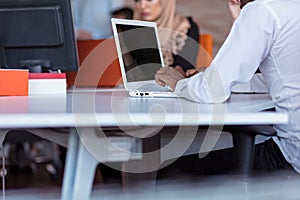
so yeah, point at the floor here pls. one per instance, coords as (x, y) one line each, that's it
(35, 181)
(284, 185)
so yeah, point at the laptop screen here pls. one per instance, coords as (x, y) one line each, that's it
(140, 52)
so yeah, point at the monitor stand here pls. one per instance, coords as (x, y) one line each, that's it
(2, 58)
(36, 66)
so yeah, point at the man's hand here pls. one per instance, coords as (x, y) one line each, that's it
(168, 76)
(179, 68)
(192, 72)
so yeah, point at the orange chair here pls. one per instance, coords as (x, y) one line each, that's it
(205, 52)
(99, 65)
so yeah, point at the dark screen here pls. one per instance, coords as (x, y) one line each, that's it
(37, 32)
(140, 52)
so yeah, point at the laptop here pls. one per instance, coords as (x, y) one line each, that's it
(140, 57)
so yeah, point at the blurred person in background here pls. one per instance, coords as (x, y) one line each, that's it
(92, 17)
(179, 35)
(122, 13)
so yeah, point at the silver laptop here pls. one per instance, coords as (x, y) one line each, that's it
(140, 57)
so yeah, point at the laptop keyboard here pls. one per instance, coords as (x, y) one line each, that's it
(154, 89)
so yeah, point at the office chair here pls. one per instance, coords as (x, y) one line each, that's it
(205, 52)
(111, 76)
(27, 150)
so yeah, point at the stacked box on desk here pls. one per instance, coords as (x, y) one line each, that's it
(13, 82)
(47, 83)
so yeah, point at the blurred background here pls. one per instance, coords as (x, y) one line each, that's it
(38, 180)
(212, 16)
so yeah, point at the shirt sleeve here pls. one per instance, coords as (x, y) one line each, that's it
(247, 45)
(256, 85)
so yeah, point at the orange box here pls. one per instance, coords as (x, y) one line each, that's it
(13, 82)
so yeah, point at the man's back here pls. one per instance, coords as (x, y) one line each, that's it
(281, 69)
(265, 35)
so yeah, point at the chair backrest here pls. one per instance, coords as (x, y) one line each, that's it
(99, 64)
(205, 52)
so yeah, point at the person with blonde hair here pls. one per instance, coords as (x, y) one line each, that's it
(179, 35)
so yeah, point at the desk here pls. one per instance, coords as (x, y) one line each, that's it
(83, 111)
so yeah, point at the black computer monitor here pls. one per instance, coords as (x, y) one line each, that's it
(38, 35)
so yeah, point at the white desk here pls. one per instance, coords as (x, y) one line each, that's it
(82, 111)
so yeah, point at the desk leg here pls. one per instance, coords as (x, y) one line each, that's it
(70, 166)
(147, 179)
(244, 149)
(244, 142)
(3, 134)
(79, 170)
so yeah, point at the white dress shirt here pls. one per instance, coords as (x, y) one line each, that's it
(265, 35)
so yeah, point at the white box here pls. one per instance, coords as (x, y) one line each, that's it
(47, 83)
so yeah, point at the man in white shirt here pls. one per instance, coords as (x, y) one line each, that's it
(266, 36)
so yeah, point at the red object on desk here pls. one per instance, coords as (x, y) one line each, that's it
(13, 82)
(47, 75)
